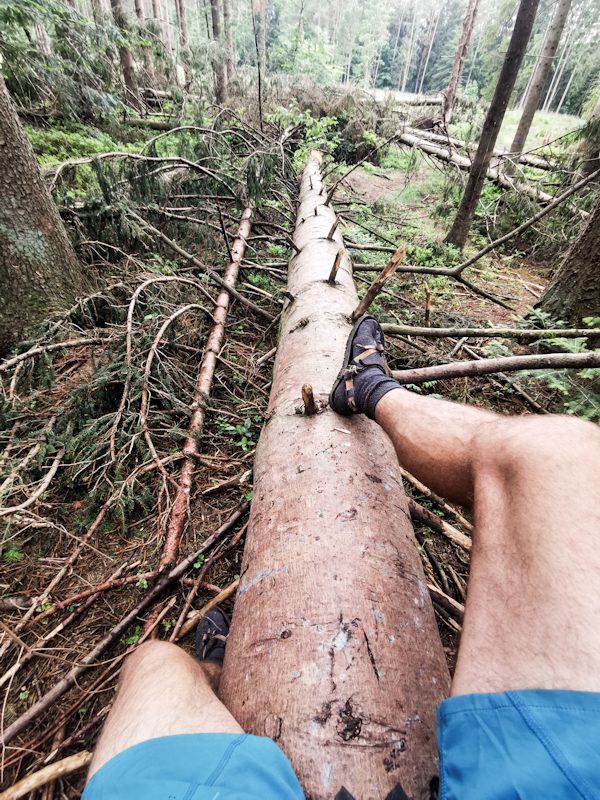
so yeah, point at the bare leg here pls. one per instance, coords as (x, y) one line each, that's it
(533, 612)
(163, 692)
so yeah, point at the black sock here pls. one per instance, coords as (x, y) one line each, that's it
(369, 387)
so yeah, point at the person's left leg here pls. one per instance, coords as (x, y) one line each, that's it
(163, 692)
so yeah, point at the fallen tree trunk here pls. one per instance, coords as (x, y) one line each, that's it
(191, 445)
(490, 333)
(494, 175)
(333, 651)
(525, 158)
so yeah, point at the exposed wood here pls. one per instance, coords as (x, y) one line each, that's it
(195, 616)
(50, 773)
(333, 644)
(455, 609)
(379, 283)
(308, 399)
(191, 445)
(239, 480)
(336, 266)
(487, 366)
(491, 333)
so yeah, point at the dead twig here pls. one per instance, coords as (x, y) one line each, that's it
(47, 774)
(488, 366)
(379, 283)
(421, 514)
(195, 616)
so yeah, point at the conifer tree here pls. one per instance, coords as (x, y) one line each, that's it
(39, 271)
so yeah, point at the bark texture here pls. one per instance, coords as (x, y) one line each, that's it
(39, 271)
(220, 65)
(460, 57)
(228, 38)
(539, 78)
(493, 121)
(334, 651)
(592, 161)
(574, 291)
(126, 59)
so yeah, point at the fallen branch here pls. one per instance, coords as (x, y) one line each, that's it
(452, 606)
(40, 490)
(58, 770)
(244, 477)
(379, 283)
(470, 369)
(195, 616)
(490, 333)
(175, 160)
(112, 636)
(50, 348)
(418, 512)
(214, 276)
(439, 501)
(191, 446)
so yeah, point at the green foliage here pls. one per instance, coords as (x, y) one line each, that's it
(135, 636)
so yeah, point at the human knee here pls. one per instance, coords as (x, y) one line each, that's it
(149, 656)
(511, 445)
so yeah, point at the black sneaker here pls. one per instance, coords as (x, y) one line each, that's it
(211, 636)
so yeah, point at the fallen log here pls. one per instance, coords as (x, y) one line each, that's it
(491, 333)
(526, 158)
(191, 445)
(488, 366)
(333, 651)
(494, 175)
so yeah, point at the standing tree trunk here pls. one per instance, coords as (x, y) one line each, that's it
(574, 291)
(460, 57)
(263, 37)
(333, 650)
(228, 38)
(131, 87)
(146, 52)
(493, 121)
(592, 161)
(431, 41)
(410, 51)
(39, 271)
(220, 66)
(538, 81)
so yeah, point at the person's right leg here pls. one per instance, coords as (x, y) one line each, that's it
(533, 611)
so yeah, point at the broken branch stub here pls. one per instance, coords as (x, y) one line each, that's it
(379, 283)
(334, 651)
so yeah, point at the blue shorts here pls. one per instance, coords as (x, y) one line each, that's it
(529, 745)
(198, 766)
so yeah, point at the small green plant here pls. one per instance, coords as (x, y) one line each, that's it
(24, 694)
(168, 624)
(142, 583)
(135, 636)
(199, 561)
(13, 553)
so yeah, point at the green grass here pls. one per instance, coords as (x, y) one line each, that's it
(544, 129)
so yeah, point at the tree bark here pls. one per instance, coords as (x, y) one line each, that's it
(39, 271)
(574, 290)
(131, 88)
(493, 121)
(184, 36)
(220, 66)
(263, 37)
(146, 52)
(333, 650)
(460, 57)
(592, 161)
(228, 38)
(539, 79)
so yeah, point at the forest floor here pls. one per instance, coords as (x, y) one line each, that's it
(85, 386)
